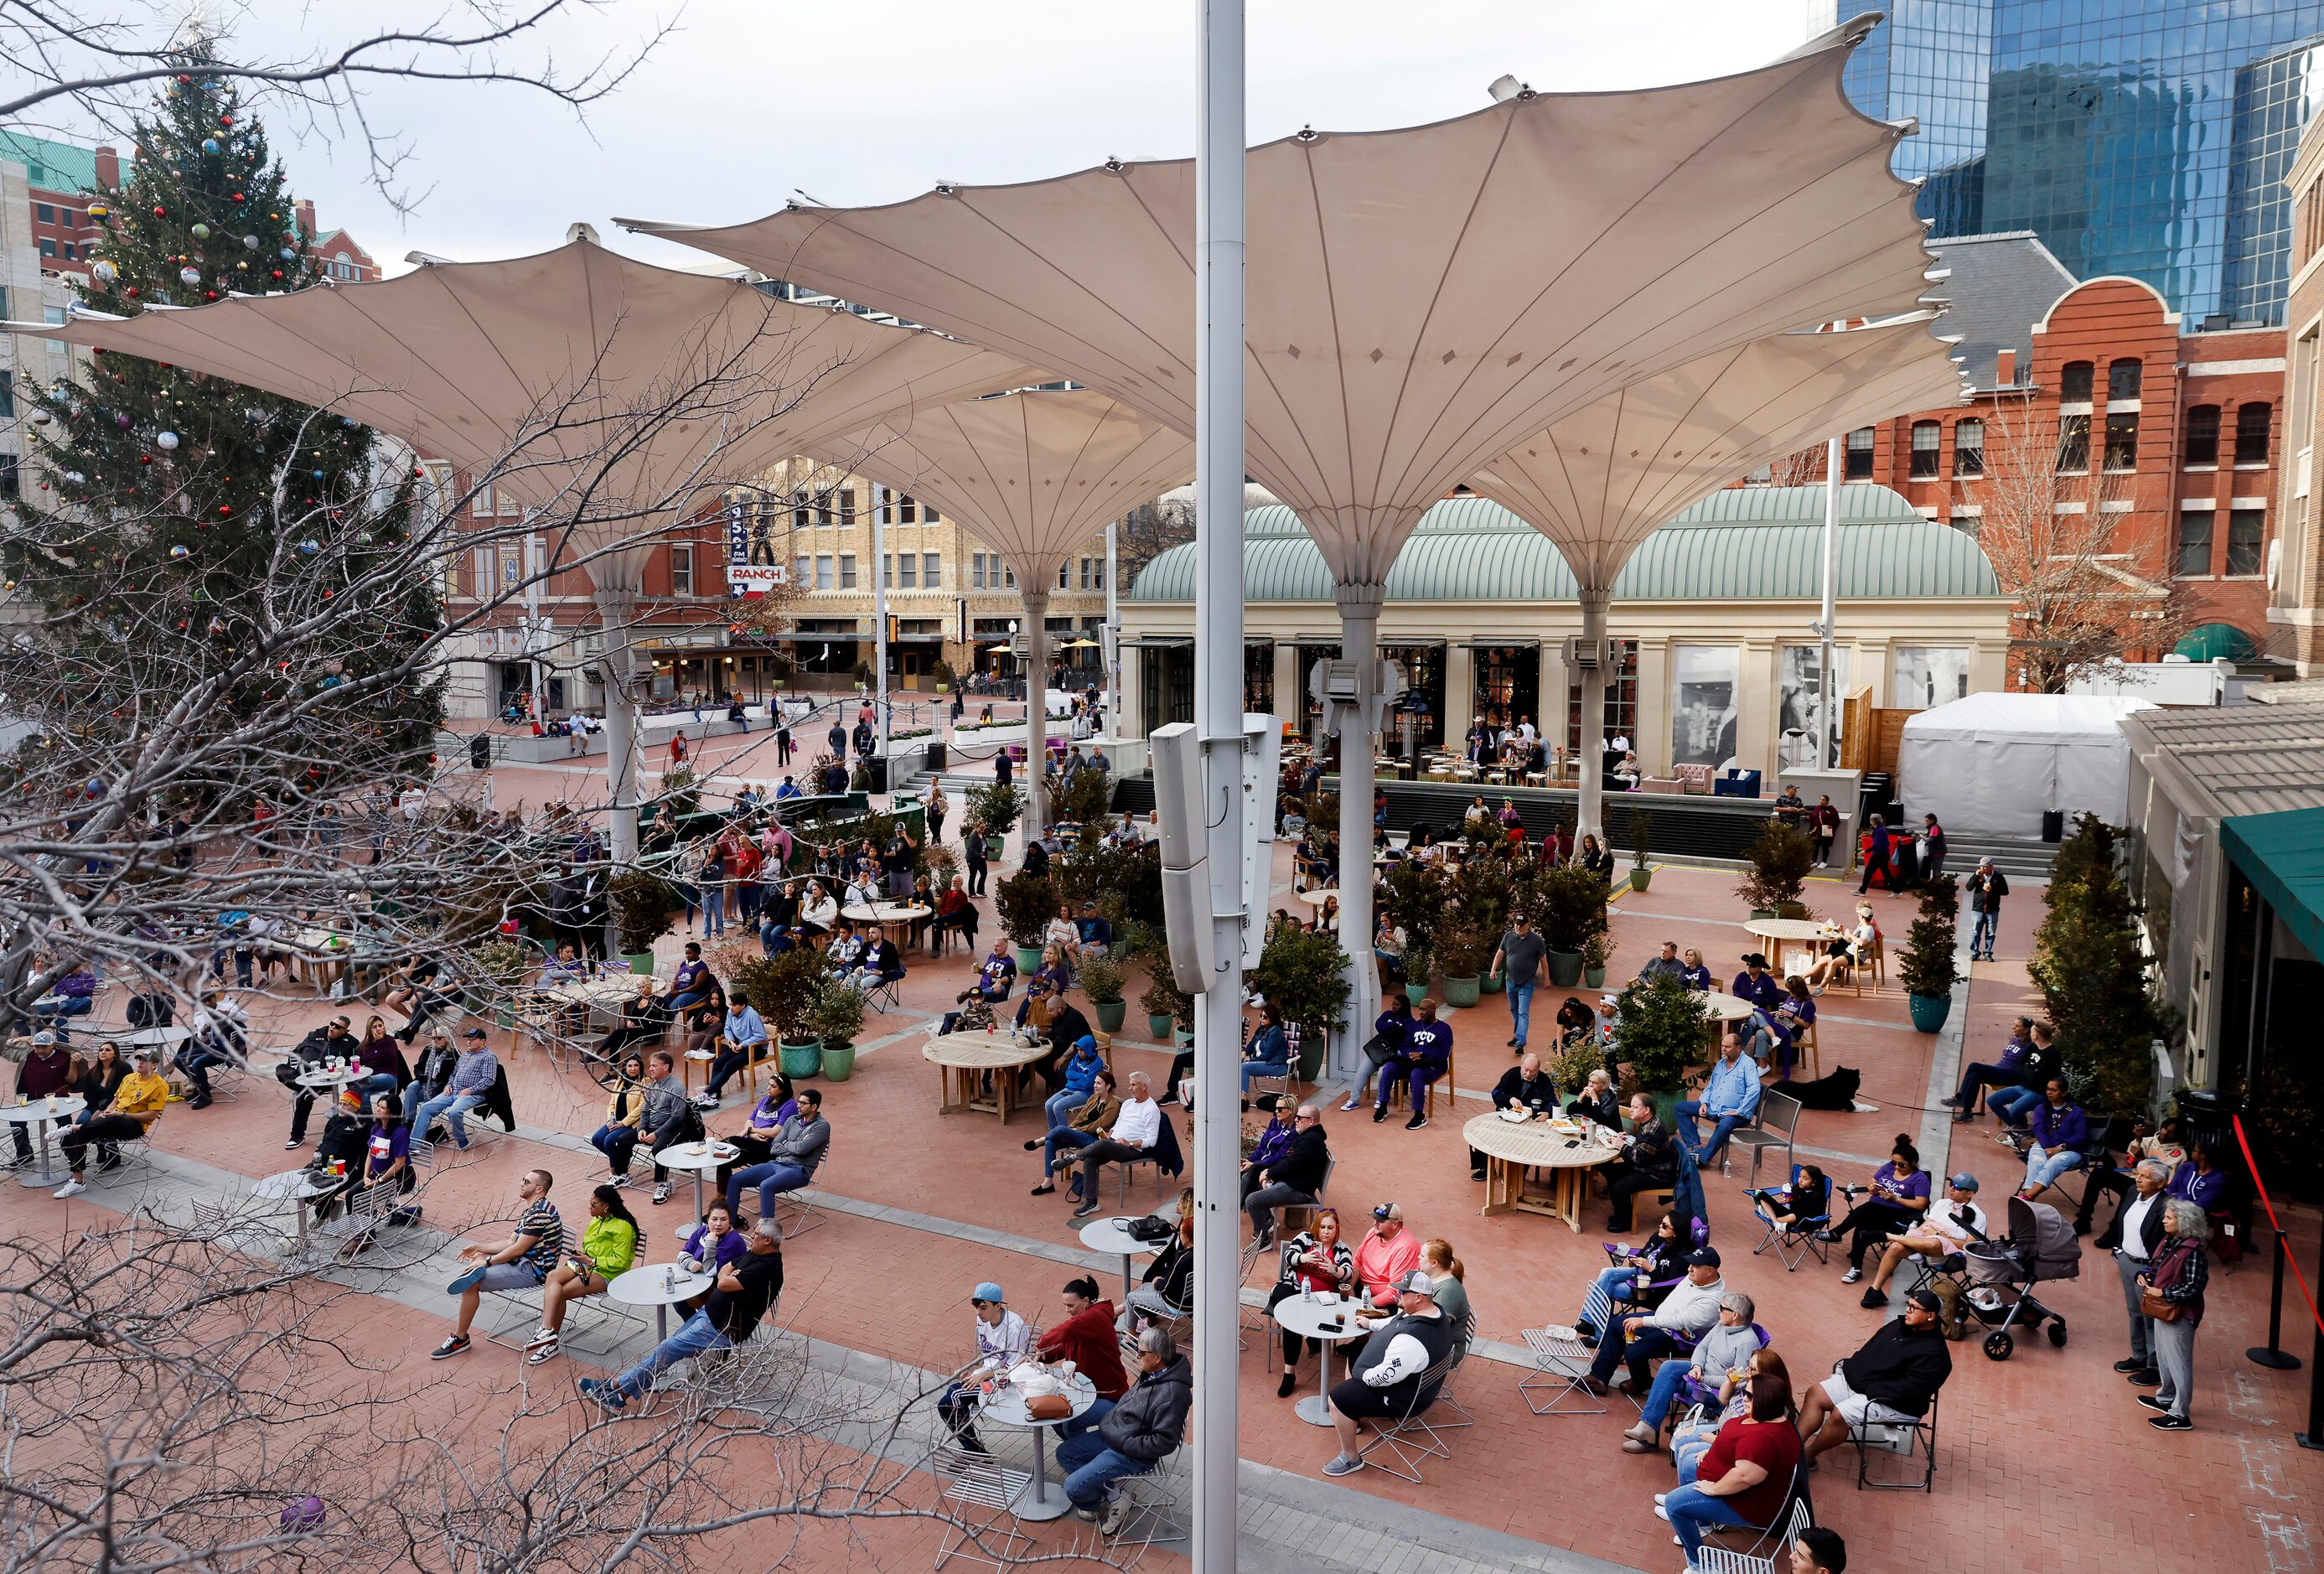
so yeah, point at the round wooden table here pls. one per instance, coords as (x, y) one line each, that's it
(964, 1060)
(1725, 1007)
(897, 916)
(1512, 1147)
(1800, 933)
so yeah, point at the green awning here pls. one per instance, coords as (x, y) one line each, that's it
(2211, 641)
(2283, 855)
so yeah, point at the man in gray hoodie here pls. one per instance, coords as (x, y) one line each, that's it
(792, 1157)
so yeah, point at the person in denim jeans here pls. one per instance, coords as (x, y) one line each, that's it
(2062, 1134)
(744, 1291)
(1127, 1436)
(1519, 961)
(473, 1076)
(1985, 887)
(519, 1262)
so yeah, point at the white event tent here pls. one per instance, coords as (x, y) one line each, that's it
(614, 398)
(1032, 475)
(1603, 479)
(1419, 301)
(1991, 764)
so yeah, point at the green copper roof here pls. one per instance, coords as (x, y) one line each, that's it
(51, 166)
(1763, 543)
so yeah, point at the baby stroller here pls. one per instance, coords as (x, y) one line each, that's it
(2041, 1244)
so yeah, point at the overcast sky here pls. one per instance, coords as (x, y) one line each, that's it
(859, 101)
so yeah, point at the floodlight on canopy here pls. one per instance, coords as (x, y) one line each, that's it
(1032, 475)
(1600, 481)
(1419, 301)
(600, 391)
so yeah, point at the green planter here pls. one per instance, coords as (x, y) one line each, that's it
(1593, 978)
(505, 1020)
(1111, 1014)
(1639, 879)
(838, 1062)
(642, 963)
(1930, 1011)
(1493, 983)
(1183, 1038)
(1157, 1028)
(994, 846)
(1311, 1054)
(1462, 991)
(1759, 913)
(802, 1060)
(1029, 957)
(1666, 1107)
(1564, 968)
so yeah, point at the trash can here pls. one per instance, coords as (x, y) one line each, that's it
(2053, 826)
(2207, 1114)
(877, 765)
(480, 752)
(936, 753)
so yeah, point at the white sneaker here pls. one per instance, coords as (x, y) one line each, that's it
(1851, 1276)
(72, 1188)
(1117, 1515)
(1661, 1498)
(543, 1337)
(539, 1353)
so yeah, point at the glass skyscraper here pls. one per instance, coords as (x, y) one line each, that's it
(2142, 137)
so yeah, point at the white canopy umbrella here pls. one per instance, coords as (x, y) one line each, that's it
(1604, 478)
(1032, 475)
(602, 391)
(1419, 300)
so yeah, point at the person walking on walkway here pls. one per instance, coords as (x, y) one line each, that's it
(1519, 960)
(1986, 886)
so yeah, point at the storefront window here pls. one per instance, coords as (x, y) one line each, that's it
(1509, 685)
(1259, 677)
(1621, 698)
(1704, 684)
(1423, 676)
(1923, 676)
(1311, 709)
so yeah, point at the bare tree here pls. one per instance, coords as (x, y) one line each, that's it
(2054, 508)
(71, 64)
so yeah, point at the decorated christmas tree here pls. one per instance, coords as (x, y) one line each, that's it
(190, 536)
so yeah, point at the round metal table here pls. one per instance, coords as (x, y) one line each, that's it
(41, 1115)
(1564, 1148)
(660, 1285)
(1112, 1235)
(1039, 1502)
(1312, 1318)
(298, 1188)
(699, 1158)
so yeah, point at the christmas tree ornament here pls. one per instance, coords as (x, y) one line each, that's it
(100, 210)
(122, 421)
(287, 254)
(160, 212)
(107, 274)
(190, 275)
(209, 144)
(309, 546)
(225, 508)
(250, 243)
(200, 232)
(181, 553)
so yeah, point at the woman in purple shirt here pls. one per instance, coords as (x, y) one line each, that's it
(1900, 1195)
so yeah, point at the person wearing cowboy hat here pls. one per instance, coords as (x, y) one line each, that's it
(1756, 984)
(137, 1104)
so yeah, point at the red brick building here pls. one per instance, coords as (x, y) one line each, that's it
(62, 180)
(2092, 397)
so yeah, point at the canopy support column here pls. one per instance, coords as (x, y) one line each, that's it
(1037, 699)
(1589, 816)
(616, 610)
(1360, 614)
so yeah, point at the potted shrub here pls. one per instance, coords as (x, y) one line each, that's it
(1167, 1005)
(834, 1019)
(1419, 967)
(1571, 908)
(862, 673)
(1641, 830)
(1304, 976)
(942, 672)
(1662, 1029)
(1595, 952)
(1025, 904)
(997, 808)
(784, 989)
(1925, 966)
(641, 904)
(1463, 953)
(1781, 857)
(503, 964)
(1100, 977)
(1569, 1064)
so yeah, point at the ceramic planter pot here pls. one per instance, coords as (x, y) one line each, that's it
(1462, 991)
(1157, 1028)
(1492, 983)
(1593, 978)
(802, 1060)
(1564, 968)
(1639, 879)
(1930, 1011)
(1111, 1014)
(838, 1062)
(1029, 957)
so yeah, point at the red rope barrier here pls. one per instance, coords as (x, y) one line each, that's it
(2274, 1223)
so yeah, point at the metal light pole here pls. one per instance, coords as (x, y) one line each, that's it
(880, 496)
(1218, 722)
(1112, 654)
(1826, 759)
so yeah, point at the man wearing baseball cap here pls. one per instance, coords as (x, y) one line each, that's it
(1892, 1378)
(1390, 1376)
(1003, 1340)
(1953, 1222)
(45, 1073)
(1385, 1254)
(138, 1103)
(1688, 1313)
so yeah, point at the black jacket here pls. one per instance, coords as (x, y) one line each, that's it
(1655, 1153)
(1068, 1026)
(2150, 1229)
(1513, 1092)
(311, 1051)
(1607, 1110)
(1900, 1366)
(1984, 891)
(1302, 1168)
(1147, 1422)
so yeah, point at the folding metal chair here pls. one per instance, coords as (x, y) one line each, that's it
(1410, 1438)
(1779, 1118)
(1772, 1545)
(1915, 1439)
(1561, 1362)
(1445, 1397)
(1795, 1241)
(982, 1529)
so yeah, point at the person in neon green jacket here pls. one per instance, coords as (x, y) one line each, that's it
(608, 1246)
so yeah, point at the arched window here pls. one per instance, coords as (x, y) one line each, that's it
(1969, 446)
(2122, 380)
(2074, 383)
(1928, 438)
(2203, 433)
(2251, 433)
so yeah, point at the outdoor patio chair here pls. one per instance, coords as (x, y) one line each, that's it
(1779, 1119)
(980, 1488)
(1914, 1440)
(1410, 1438)
(1561, 1361)
(1770, 1549)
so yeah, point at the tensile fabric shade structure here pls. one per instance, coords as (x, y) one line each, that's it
(1604, 478)
(1419, 301)
(614, 396)
(1032, 475)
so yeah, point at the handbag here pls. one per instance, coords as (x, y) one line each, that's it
(2151, 1304)
(1049, 1407)
(1152, 1228)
